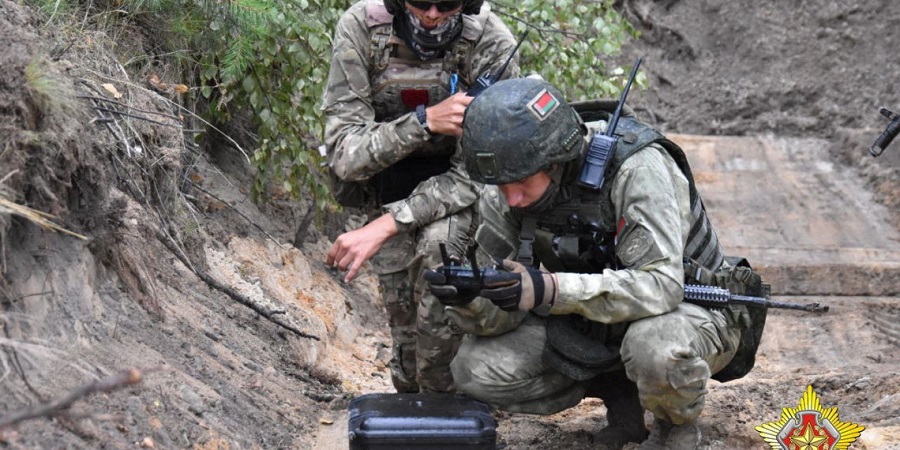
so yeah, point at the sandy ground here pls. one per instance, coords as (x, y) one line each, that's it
(850, 357)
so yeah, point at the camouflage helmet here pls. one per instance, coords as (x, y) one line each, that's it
(517, 128)
(470, 7)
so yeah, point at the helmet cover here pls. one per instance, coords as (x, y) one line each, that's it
(516, 128)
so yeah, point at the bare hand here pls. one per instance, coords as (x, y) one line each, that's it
(447, 116)
(353, 248)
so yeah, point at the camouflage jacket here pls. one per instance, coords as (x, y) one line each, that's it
(652, 209)
(364, 135)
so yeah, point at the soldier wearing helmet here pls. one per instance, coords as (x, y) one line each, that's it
(587, 300)
(394, 105)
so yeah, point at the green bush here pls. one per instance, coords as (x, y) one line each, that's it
(269, 60)
(570, 43)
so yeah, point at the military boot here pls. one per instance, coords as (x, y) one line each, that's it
(624, 412)
(404, 386)
(668, 436)
(403, 383)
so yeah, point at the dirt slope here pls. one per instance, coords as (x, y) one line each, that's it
(244, 340)
(158, 214)
(791, 68)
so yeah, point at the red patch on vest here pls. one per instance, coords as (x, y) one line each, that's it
(414, 97)
(619, 228)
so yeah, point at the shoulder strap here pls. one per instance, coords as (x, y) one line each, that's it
(458, 57)
(635, 135)
(473, 24)
(526, 242)
(377, 13)
(381, 27)
(599, 109)
(632, 136)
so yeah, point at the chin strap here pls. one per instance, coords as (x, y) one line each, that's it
(526, 242)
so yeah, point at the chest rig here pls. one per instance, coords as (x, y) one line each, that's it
(579, 233)
(400, 82)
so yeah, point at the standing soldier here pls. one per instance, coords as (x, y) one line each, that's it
(394, 107)
(589, 301)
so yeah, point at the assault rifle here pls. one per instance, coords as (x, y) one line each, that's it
(716, 297)
(469, 278)
(888, 134)
(486, 80)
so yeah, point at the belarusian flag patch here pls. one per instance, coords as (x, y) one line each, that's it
(543, 104)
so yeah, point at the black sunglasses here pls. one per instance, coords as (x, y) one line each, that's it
(442, 6)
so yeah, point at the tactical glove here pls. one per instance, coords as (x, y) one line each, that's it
(447, 293)
(518, 287)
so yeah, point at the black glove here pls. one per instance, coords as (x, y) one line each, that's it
(447, 293)
(518, 287)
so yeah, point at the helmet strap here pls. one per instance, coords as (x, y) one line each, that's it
(555, 172)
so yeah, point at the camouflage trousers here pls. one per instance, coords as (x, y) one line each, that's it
(424, 339)
(670, 357)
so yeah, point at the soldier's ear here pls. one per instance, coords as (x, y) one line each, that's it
(555, 172)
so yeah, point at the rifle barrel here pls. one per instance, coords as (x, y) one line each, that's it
(716, 297)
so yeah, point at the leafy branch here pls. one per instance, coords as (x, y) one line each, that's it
(267, 61)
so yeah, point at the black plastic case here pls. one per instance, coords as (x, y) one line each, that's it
(420, 421)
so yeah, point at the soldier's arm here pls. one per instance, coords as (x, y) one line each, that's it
(497, 237)
(435, 198)
(453, 191)
(651, 200)
(360, 146)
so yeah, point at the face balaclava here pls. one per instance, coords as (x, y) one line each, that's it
(427, 44)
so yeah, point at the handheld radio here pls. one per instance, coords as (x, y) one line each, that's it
(603, 144)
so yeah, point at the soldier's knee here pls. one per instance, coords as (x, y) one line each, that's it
(643, 347)
(650, 351)
(666, 374)
(469, 382)
(468, 372)
(396, 287)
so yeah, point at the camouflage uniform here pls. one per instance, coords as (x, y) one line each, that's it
(670, 348)
(373, 136)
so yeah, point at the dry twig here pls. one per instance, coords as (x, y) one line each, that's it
(198, 187)
(54, 408)
(135, 116)
(104, 99)
(14, 359)
(39, 218)
(274, 316)
(184, 110)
